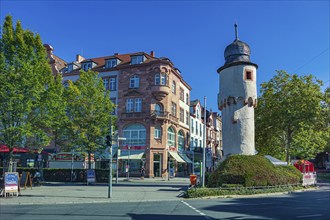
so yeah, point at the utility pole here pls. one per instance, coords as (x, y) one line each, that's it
(109, 143)
(204, 147)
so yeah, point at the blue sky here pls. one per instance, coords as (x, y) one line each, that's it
(288, 35)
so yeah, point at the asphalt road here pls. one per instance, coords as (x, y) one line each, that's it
(301, 205)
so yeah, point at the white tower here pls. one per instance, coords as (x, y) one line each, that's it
(237, 99)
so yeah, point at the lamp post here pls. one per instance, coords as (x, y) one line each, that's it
(109, 143)
(129, 152)
(72, 154)
(204, 139)
(118, 139)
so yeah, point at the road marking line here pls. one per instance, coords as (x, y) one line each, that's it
(307, 216)
(196, 210)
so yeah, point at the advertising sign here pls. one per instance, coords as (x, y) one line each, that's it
(11, 182)
(90, 176)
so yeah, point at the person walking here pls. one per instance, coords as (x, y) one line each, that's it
(142, 173)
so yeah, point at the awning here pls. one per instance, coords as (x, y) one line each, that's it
(177, 157)
(185, 157)
(133, 154)
(275, 161)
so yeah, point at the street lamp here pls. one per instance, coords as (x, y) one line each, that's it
(129, 152)
(118, 139)
(109, 144)
(204, 147)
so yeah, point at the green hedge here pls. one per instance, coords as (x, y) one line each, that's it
(253, 171)
(64, 175)
(207, 192)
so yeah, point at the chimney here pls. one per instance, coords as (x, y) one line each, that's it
(79, 58)
(152, 53)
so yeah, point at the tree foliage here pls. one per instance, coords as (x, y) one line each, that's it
(28, 92)
(89, 113)
(292, 117)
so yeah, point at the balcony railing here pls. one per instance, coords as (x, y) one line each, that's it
(160, 114)
(133, 115)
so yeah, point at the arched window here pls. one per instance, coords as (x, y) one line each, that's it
(180, 141)
(135, 135)
(134, 82)
(196, 143)
(158, 109)
(174, 87)
(200, 143)
(171, 137)
(158, 132)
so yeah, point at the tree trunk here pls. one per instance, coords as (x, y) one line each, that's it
(89, 160)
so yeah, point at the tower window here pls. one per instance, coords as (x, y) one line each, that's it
(248, 75)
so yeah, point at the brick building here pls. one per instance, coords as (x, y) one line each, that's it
(152, 102)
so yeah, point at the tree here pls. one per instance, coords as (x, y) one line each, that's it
(27, 93)
(291, 118)
(89, 113)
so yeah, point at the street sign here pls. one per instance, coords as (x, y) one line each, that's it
(90, 176)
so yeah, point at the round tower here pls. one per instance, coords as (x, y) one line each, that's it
(237, 99)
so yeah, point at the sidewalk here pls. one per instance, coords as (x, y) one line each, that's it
(134, 190)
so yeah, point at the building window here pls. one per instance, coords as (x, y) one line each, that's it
(181, 94)
(173, 87)
(158, 132)
(86, 66)
(171, 137)
(187, 118)
(248, 75)
(113, 84)
(135, 135)
(173, 109)
(196, 127)
(137, 59)
(160, 79)
(106, 83)
(201, 131)
(192, 125)
(187, 99)
(113, 100)
(111, 63)
(200, 143)
(181, 115)
(197, 114)
(180, 141)
(158, 109)
(129, 105)
(134, 82)
(196, 143)
(138, 105)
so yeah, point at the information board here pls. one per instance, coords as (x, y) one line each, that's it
(90, 176)
(11, 182)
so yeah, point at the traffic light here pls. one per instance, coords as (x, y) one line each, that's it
(108, 140)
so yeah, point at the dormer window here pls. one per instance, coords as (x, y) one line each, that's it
(137, 59)
(111, 63)
(87, 66)
(70, 67)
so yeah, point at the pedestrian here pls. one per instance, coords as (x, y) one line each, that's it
(142, 172)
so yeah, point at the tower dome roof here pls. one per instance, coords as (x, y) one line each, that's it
(237, 51)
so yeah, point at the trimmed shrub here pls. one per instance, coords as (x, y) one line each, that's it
(253, 171)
